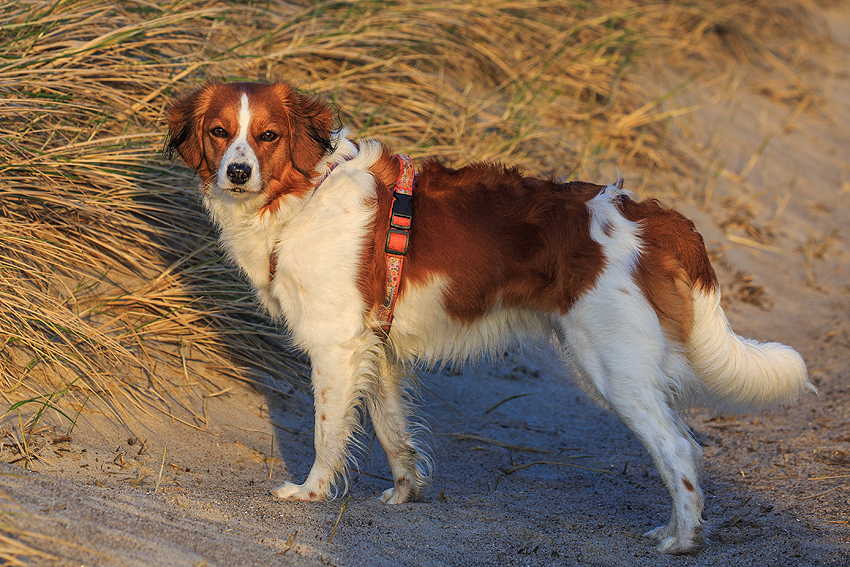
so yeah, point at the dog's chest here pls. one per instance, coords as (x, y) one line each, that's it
(249, 243)
(315, 255)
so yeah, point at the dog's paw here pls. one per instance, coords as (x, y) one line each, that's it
(675, 546)
(300, 492)
(393, 496)
(672, 544)
(403, 491)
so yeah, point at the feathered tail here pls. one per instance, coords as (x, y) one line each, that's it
(739, 371)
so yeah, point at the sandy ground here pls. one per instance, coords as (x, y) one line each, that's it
(776, 482)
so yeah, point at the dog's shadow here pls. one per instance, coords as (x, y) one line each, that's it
(526, 464)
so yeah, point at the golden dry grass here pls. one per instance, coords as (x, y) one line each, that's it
(112, 283)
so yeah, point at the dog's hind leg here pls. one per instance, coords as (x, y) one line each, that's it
(389, 412)
(617, 345)
(338, 383)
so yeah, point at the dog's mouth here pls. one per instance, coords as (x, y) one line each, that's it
(232, 189)
(250, 187)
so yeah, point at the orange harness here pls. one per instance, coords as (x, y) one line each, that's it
(398, 238)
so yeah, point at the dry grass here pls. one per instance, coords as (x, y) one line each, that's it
(112, 285)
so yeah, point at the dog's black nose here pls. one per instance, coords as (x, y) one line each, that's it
(238, 173)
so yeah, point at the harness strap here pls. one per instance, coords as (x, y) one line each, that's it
(398, 238)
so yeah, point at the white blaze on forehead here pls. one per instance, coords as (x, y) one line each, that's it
(244, 120)
(241, 152)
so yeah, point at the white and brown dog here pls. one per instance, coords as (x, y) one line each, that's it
(493, 257)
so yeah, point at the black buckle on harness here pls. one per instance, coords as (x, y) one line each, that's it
(402, 211)
(399, 232)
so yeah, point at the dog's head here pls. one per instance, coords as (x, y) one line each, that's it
(250, 138)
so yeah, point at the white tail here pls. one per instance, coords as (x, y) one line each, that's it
(739, 371)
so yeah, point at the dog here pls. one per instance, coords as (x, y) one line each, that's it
(491, 257)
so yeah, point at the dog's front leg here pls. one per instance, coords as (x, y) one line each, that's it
(336, 387)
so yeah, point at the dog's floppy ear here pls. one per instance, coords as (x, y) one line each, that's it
(310, 135)
(184, 128)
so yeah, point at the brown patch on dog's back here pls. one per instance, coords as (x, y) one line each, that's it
(669, 230)
(673, 260)
(495, 235)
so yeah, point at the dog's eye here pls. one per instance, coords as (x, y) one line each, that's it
(268, 136)
(219, 132)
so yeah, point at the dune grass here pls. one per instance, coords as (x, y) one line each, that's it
(111, 282)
